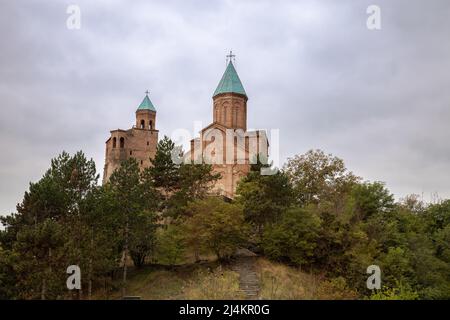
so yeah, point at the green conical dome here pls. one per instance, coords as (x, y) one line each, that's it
(146, 104)
(230, 82)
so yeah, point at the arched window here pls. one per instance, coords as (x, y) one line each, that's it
(114, 142)
(151, 125)
(224, 114)
(142, 124)
(122, 142)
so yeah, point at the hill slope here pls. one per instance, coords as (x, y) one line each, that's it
(212, 280)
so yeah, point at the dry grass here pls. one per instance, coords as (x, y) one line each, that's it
(219, 284)
(210, 280)
(192, 281)
(279, 281)
(150, 284)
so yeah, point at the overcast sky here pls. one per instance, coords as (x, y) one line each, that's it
(378, 99)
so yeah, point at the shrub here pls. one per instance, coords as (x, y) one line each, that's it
(293, 238)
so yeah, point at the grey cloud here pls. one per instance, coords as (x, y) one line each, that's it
(379, 100)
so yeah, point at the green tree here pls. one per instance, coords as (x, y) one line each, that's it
(317, 177)
(179, 183)
(195, 182)
(49, 223)
(37, 260)
(137, 202)
(398, 292)
(294, 237)
(170, 244)
(215, 225)
(142, 241)
(102, 246)
(396, 266)
(370, 199)
(8, 276)
(164, 171)
(436, 217)
(263, 197)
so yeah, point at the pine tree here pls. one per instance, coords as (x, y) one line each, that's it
(263, 197)
(163, 169)
(137, 202)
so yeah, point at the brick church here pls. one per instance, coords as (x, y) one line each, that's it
(225, 143)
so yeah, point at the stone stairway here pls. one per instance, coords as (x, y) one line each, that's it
(244, 264)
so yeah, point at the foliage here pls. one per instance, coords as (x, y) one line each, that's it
(314, 215)
(143, 238)
(57, 225)
(263, 197)
(170, 245)
(336, 289)
(317, 177)
(361, 224)
(163, 170)
(214, 225)
(293, 238)
(178, 183)
(401, 292)
(137, 203)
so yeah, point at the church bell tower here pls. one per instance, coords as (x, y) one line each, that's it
(230, 100)
(139, 142)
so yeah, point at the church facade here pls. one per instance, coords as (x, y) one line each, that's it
(226, 143)
(138, 142)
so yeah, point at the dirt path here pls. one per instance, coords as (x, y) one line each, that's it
(244, 264)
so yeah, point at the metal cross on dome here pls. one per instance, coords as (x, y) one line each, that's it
(147, 92)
